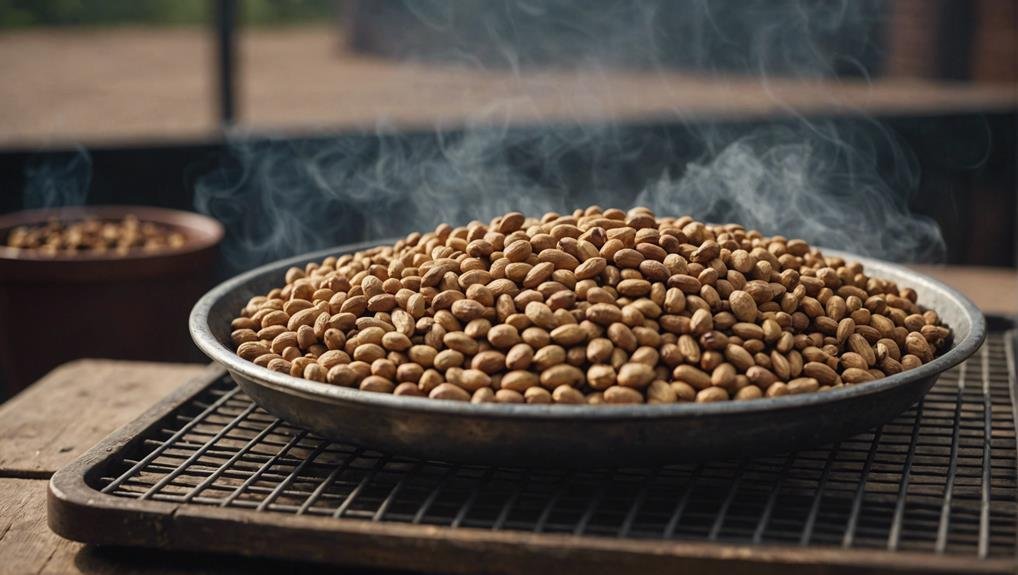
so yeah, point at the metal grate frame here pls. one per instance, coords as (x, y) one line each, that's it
(933, 489)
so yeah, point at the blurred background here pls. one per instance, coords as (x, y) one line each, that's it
(885, 127)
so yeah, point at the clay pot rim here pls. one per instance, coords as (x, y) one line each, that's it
(202, 232)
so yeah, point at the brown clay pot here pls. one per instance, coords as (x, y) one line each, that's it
(56, 309)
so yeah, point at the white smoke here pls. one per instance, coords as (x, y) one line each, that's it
(56, 180)
(842, 183)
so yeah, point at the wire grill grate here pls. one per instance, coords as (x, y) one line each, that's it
(941, 478)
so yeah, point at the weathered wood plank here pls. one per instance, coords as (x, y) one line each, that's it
(28, 546)
(55, 420)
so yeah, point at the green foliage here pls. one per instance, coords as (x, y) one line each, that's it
(31, 13)
(284, 11)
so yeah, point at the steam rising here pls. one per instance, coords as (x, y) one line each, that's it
(818, 180)
(58, 180)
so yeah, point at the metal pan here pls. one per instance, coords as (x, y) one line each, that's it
(578, 436)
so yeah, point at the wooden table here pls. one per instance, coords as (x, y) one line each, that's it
(49, 425)
(62, 415)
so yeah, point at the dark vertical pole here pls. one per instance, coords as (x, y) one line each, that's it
(226, 60)
(955, 36)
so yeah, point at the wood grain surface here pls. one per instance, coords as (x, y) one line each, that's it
(28, 546)
(74, 406)
(51, 424)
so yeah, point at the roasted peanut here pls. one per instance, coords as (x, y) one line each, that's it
(595, 306)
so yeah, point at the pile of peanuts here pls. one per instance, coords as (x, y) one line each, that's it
(114, 237)
(595, 307)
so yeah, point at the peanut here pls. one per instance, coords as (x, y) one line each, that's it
(593, 307)
(636, 375)
(116, 237)
(450, 392)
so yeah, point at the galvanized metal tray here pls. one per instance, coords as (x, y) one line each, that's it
(933, 490)
(578, 436)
